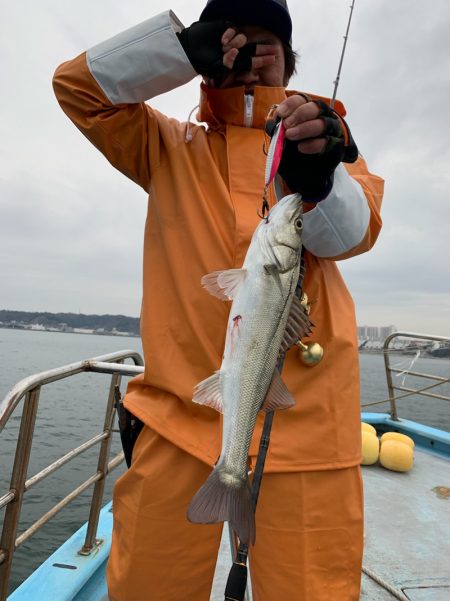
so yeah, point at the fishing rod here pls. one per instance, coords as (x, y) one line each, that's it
(338, 76)
(236, 586)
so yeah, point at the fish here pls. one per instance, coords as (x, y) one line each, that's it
(266, 318)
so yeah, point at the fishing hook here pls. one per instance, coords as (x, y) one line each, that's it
(265, 207)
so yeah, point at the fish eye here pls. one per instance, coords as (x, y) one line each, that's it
(299, 224)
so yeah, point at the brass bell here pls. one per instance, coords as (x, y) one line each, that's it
(310, 354)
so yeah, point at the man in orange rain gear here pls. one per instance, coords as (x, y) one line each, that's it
(205, 185)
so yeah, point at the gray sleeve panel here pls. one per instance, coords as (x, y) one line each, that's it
(141, 62)
(340, 221)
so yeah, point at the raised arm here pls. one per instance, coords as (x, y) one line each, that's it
(103, 92)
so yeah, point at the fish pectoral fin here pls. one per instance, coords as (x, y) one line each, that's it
(278, 396)
(208, 392)
(298, 325)
(224, 284)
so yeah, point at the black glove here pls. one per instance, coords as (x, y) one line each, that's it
(312, 174)
(203, 47)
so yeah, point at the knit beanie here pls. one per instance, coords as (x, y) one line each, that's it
(272, 15)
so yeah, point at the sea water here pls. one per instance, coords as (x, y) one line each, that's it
(72, 411)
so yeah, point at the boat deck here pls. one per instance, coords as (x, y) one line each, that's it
(407, 533)
(407, 529)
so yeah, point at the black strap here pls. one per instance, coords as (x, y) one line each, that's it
(129, 426)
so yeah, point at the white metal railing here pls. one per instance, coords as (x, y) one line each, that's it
(436, 380)
(29, 390)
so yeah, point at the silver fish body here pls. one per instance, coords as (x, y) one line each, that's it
(265, 317)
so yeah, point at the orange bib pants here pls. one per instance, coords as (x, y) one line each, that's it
(309, 535)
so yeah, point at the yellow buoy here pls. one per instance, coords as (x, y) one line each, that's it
(396, 456)
(397, 436)
(368, 428)
(370, 448)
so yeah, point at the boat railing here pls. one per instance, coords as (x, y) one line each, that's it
(400, 391)
(29, 390)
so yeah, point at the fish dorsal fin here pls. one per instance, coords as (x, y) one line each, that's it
(278, 396)
(224, 284)
(208, 392)
(298, 325)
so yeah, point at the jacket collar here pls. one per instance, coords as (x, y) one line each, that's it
(228, 106)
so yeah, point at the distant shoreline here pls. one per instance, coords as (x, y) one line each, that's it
(74, 331)
(78, 323)
(424, 353)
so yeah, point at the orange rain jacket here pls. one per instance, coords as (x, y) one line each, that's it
(202, 211)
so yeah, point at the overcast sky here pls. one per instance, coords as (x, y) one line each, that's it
(71, 227)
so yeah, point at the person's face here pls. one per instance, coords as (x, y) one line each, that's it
(268, 75)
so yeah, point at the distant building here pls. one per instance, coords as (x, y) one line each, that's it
(386, 331)
(375, 332)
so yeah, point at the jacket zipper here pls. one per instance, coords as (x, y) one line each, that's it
(248, 110)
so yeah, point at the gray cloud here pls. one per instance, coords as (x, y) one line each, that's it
(71, 227)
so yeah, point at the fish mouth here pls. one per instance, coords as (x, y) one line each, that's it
(291, 245)
(294, 248)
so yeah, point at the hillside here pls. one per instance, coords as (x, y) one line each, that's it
(68, 321)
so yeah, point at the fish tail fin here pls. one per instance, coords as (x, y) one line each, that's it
(219, 500)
